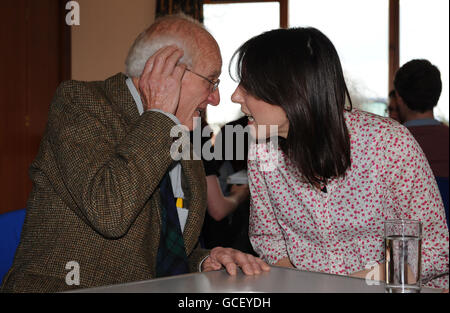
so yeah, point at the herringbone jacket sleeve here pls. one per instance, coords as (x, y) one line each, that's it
(109, 173)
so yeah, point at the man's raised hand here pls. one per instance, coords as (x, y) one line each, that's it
(160, 82)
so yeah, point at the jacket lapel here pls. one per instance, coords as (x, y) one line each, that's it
(195, 192)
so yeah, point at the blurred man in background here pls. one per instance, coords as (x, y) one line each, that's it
(392, 109)
(418, 87)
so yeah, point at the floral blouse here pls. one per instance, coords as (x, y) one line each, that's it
(341, 231)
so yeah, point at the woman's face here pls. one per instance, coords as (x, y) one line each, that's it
(262, 115)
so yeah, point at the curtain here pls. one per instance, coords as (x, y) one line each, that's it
(193, 8)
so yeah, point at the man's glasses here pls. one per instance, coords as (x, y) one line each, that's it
(214, 84)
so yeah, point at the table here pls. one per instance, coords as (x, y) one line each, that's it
(278, 280)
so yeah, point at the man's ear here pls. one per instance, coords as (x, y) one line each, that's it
(399, 100)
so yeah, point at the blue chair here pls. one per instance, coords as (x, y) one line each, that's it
(443, 188)
(11, 224)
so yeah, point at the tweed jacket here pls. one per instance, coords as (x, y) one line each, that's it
(95, 198)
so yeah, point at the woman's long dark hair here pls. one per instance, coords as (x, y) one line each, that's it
(299, 70)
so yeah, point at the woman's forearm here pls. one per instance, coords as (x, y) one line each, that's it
(285, 262)
(377, 272)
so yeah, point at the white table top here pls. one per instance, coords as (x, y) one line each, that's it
(278, 280)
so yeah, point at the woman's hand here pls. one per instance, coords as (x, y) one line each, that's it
(160, 82)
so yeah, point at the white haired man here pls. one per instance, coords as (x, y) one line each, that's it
(107, 194)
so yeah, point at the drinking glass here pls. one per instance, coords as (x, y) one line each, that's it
(403, 245)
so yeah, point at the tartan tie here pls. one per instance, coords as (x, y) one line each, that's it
(171, 258)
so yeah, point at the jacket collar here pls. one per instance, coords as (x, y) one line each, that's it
(120, 96)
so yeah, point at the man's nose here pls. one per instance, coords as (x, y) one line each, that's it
(214, 98)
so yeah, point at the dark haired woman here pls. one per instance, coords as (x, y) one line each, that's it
(339, 173)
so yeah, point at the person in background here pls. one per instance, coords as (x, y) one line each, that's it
(320, 198)
(418, 88)
(220, 206)
(226, 220)
(392, 106)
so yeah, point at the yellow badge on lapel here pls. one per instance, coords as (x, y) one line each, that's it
(179, 203)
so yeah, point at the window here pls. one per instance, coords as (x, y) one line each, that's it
(359, 31)
(424, 32)
(372, 37)
(232, 25)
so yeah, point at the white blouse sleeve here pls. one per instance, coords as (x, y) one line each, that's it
(411, 181)
(265, 233)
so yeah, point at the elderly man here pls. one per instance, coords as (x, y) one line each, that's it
(109, 204)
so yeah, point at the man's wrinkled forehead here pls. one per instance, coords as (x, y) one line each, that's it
(202, 44)
(209, 57)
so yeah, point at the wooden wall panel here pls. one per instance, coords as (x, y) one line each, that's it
(12, 104)
(34, 59)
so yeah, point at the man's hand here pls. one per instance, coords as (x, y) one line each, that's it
(160, 82)
(231, 259)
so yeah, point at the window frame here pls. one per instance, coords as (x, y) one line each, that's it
(394, 41)
(284, 8)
